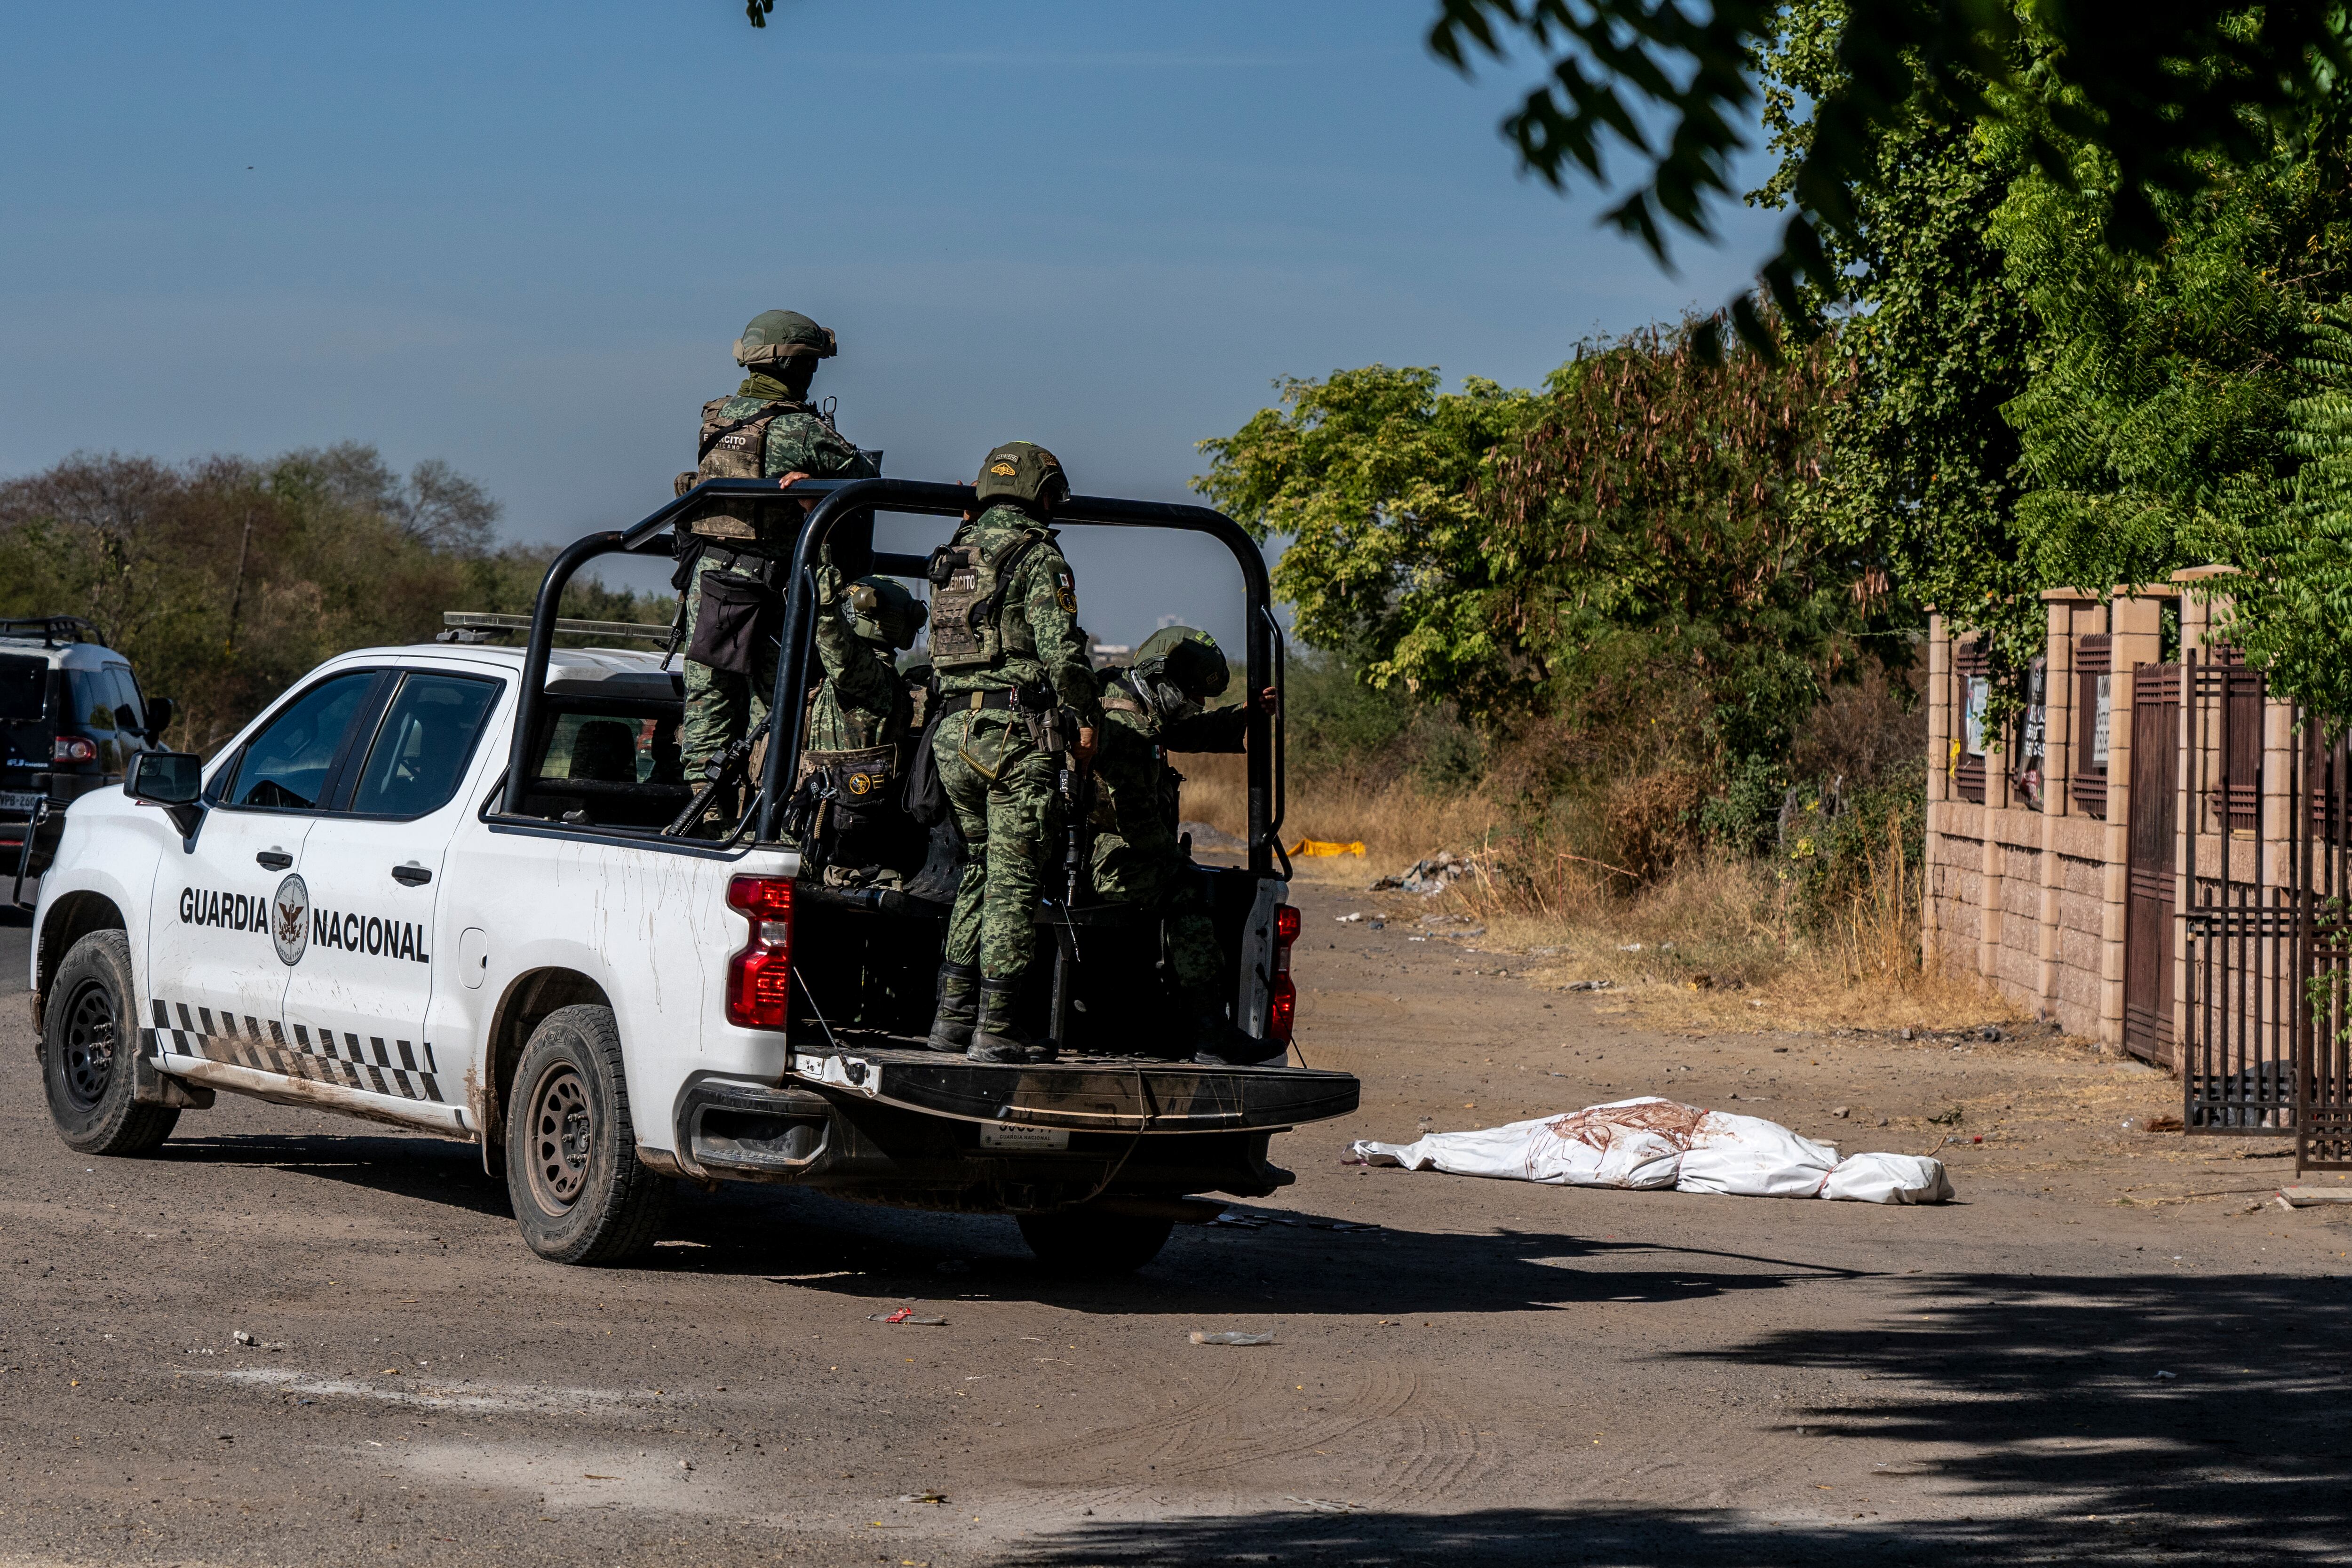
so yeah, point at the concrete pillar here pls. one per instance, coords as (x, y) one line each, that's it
(2184, 834)
(1939, 735)
(2137, 627)
(2057, 793)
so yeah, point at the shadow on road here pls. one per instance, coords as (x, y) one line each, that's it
(866, 1251)
(1666, 1536)
(435, 1170)
(2033, 1401)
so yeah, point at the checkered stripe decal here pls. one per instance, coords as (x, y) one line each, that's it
(372, 1067)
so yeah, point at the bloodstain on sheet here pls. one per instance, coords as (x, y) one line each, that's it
(1598, 1126)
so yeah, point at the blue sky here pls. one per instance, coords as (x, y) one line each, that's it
(522, 236)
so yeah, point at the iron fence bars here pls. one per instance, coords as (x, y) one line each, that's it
(2323, 1111)
(2247, 918)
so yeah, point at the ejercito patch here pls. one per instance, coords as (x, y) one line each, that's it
(1065, 592)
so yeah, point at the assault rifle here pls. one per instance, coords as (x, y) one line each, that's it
(727, 766)
(1061, 726)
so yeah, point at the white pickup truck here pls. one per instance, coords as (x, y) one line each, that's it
(441, 886)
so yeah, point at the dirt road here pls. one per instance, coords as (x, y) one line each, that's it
(1491, 1373)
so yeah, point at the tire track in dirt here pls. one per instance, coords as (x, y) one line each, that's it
(1423, 1450)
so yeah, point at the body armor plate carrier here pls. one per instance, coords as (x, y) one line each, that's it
(737, 449)
(969, 584)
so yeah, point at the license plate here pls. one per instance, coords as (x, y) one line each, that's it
(12, 801)
(1004, 1136)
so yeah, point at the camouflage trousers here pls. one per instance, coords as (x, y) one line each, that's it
(1000, 786)
(721, 707)
(1167, 882)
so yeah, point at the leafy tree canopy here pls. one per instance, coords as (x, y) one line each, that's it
(2037, 407)
(1630, 537)
(225, 578)
(2159, 91)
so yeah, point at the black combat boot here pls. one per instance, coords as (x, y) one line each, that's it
(959, 1007)
(997, 1037)
(1216, 1043)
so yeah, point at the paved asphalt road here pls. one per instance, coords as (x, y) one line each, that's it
(1493, 1374)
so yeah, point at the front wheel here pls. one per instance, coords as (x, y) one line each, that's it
(1076, 1242)
(579, 1191)
(89, 1036)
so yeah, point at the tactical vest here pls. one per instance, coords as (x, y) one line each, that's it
(738, 449)
(968, 582)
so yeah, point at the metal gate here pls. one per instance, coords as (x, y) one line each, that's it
(2323, 1106)
(2244, 925)
(2148, 868)
(2262, 862)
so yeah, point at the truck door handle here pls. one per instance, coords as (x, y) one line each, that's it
(414, 876)
(273, 859)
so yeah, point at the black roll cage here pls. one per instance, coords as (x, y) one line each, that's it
(839, 499)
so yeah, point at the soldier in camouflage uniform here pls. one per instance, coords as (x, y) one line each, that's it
(768, 429)
(1153, 708)
(860, 721)
(1014, 680)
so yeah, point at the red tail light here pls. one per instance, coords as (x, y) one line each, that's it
(1282, 996)
(759, 978)
(74, 749)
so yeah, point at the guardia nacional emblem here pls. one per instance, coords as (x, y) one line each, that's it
(289, 919)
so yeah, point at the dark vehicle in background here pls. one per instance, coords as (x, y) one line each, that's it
(71, 715)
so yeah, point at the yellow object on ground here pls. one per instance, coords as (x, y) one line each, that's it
(1319, 847)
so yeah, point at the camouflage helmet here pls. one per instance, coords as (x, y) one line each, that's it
(882, 611)
(1185, 657)
(1024, 472)
(775, 336)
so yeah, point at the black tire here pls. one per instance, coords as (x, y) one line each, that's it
(580, 1194)
(89, 1038)
(1094, 1246)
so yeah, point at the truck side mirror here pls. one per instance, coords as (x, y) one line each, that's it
(161, 711)
(171, 780)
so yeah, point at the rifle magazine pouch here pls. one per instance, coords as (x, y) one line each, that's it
(737, 612)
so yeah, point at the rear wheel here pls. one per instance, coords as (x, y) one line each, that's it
(89, 1036)
(1078, 1243)
(580, 1194)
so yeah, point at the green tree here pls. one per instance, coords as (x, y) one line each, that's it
(1923, 469)
(2163, 92)
(1375, 475)
(225, 578)
(2037, 407)
(2154, 428)
(1628, 538)
(2293, 606)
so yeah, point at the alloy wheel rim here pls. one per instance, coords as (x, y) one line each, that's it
(562, 1132)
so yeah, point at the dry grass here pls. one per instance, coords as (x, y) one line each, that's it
(1397, 824)
(1713, 942)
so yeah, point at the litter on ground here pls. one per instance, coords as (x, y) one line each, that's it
(2307, 1197)
(1230, 1338)
(1652, 1142)
(1428, 876)
(1323, 847)
(906, 1315)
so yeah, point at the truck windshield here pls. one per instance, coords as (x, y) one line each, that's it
(23, 689)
